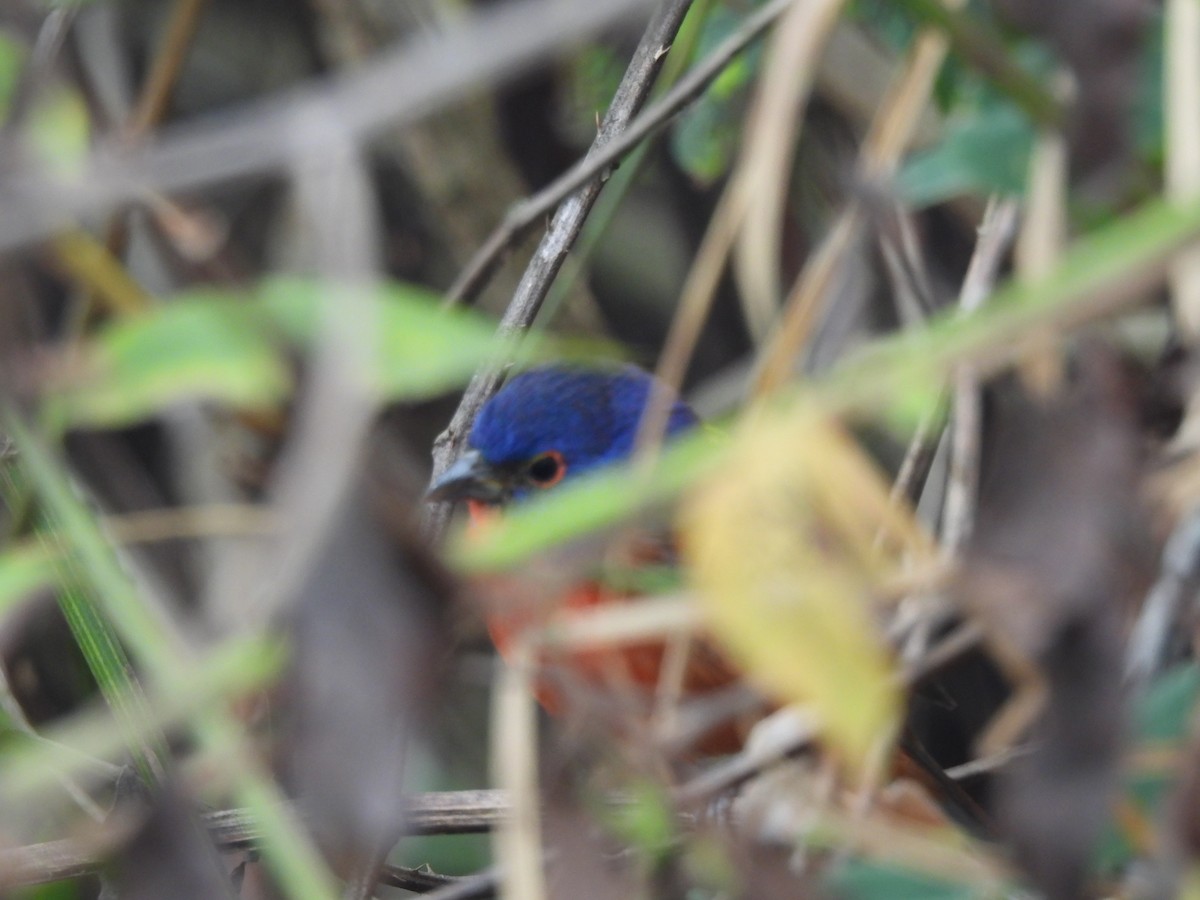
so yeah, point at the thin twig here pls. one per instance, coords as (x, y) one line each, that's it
(394, 88)
(60, 860)
(471, 887)
(958, 642)
(918, 457)
(444, 812)
(441, 812)
(988, 763)
(1157, 630)
(750, 762)
(959, 500)
(164, 71)
(681, 58)
(995, 235)
(914, 301)
(534, 209)
(905, 266)
(556, 243)
(1181, 175)
(148, 110)
(958, 511)
(180, 523)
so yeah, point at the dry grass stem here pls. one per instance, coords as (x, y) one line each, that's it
(518, 839)
(1040, 245)
(214, 520)
(602, 157)
(671, 680)
(811, 23)
(90, 263)
(622, 623)
(958, 510)
(1181, 103)
(164, 71)
(890, 133)
(764, 169)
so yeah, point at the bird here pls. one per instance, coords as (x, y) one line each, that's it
(551, 423)
(548, 426)
(555, 423)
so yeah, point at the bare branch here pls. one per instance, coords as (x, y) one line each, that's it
(449, 812)
(1158, 630)
(396, 88)
(564, 229)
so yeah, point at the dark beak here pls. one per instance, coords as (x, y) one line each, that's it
(470, 477)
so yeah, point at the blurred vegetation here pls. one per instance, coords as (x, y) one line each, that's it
(928, 269)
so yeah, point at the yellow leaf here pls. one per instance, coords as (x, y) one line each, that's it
(781, 542)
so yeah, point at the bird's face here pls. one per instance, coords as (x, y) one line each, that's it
(548, 425)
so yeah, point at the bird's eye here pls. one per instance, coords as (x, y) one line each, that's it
(547, 469)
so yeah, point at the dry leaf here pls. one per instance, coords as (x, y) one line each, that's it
(780, 543)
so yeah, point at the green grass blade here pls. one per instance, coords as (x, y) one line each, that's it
(105, 657)
(171, 665)
(77, 744)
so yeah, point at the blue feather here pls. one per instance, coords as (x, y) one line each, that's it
(590, 416)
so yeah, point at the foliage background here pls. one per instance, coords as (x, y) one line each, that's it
(238, 658)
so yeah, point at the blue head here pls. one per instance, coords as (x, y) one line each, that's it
(553, 423)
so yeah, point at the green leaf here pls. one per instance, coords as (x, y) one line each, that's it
(91, 629)
(215, 349)
(644, 819)
(1165, 713)
(71, 889)
(982, 153)
(1163, 716)
(420, 348)
(706, 136)
(861, 880)
(706, 140)
(229, 347)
